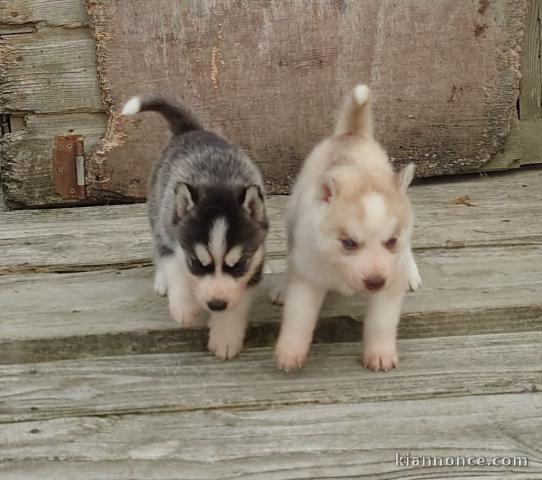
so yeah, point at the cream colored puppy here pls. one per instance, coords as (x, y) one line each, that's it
(349, 229)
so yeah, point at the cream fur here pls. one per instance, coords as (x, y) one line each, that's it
(347, 189)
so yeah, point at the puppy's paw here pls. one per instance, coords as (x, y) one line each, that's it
(277, 295)
(160, 284)
(380, 357)
(291, 354)
(225, 343)
(184, 315)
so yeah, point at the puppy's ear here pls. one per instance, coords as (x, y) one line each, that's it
(404, 176)
(328, 188)
(253, 202)
(186, 197)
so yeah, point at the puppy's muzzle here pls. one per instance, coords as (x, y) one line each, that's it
(217, 305)
(374, 283)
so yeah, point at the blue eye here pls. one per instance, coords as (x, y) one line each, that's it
(349, 244)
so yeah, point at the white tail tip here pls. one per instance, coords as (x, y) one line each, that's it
(132, 107)
(361, 94)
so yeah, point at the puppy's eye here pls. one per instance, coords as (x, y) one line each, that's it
(391, 243)
(237, 270)
(349, 244)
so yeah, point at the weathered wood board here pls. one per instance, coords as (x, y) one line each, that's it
(116, 312)
(273, 84)
(119, 237)
(48, 80)
(481, 267)
(27, 175)
(530, 104)
(288, 443)
(456, 366)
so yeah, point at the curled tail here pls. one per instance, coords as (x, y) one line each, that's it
(356, 115)
(179, 118)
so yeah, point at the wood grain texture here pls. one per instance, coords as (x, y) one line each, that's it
(47, 78)
(64, 240)
(452, 366)
(279, 99)
(481, 269)
(61, 13)
(50, 71)
(530, 100)
(466, 291)
(27, 155)
(287, 443)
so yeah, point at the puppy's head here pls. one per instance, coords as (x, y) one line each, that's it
(221, 230)
(366, 223)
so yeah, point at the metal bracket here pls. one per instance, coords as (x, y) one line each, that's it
(69, 167)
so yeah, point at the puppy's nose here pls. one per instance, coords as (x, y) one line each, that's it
(216, 305)
(374, 283)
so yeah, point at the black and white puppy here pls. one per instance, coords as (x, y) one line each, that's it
(207, 214)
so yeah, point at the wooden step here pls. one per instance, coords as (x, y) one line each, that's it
(480, 264)
(471, 212)
(189, 416)
(51, 316)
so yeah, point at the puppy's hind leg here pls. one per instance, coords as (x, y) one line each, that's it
(227, 328)
(302, 304)
(182, 304)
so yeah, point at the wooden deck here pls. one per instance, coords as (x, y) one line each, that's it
(96, 382)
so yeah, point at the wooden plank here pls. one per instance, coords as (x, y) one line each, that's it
(530, 100)
(316, 441)
(65, 316)
(48, 59)
(456, 366)
(118, 236)
(48, 71)
(27, 167)
(446, 123)
(522, 147)
(63, 13)
(531, 141)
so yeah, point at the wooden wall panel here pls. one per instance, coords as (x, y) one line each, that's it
(49, 84)
(270, 75)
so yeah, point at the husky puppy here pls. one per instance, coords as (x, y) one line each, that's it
(208, 220)
(349, 226)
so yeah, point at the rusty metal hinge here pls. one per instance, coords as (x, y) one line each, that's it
(69, 166)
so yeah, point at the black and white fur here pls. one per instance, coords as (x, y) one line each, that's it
(207, 214)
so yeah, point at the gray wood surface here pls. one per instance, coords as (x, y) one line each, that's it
(118, 236)
(55, 316)
(27, 161)
(79, 400)
(432, 367)
(282, 97)
(48, 78)
(530, 101)
(62, 13)
(481, 268)
(349, 440)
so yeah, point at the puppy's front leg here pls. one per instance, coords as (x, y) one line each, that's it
(182, 304)
(380, 329)
(302, 304)
(227, 328)
(414, 277)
